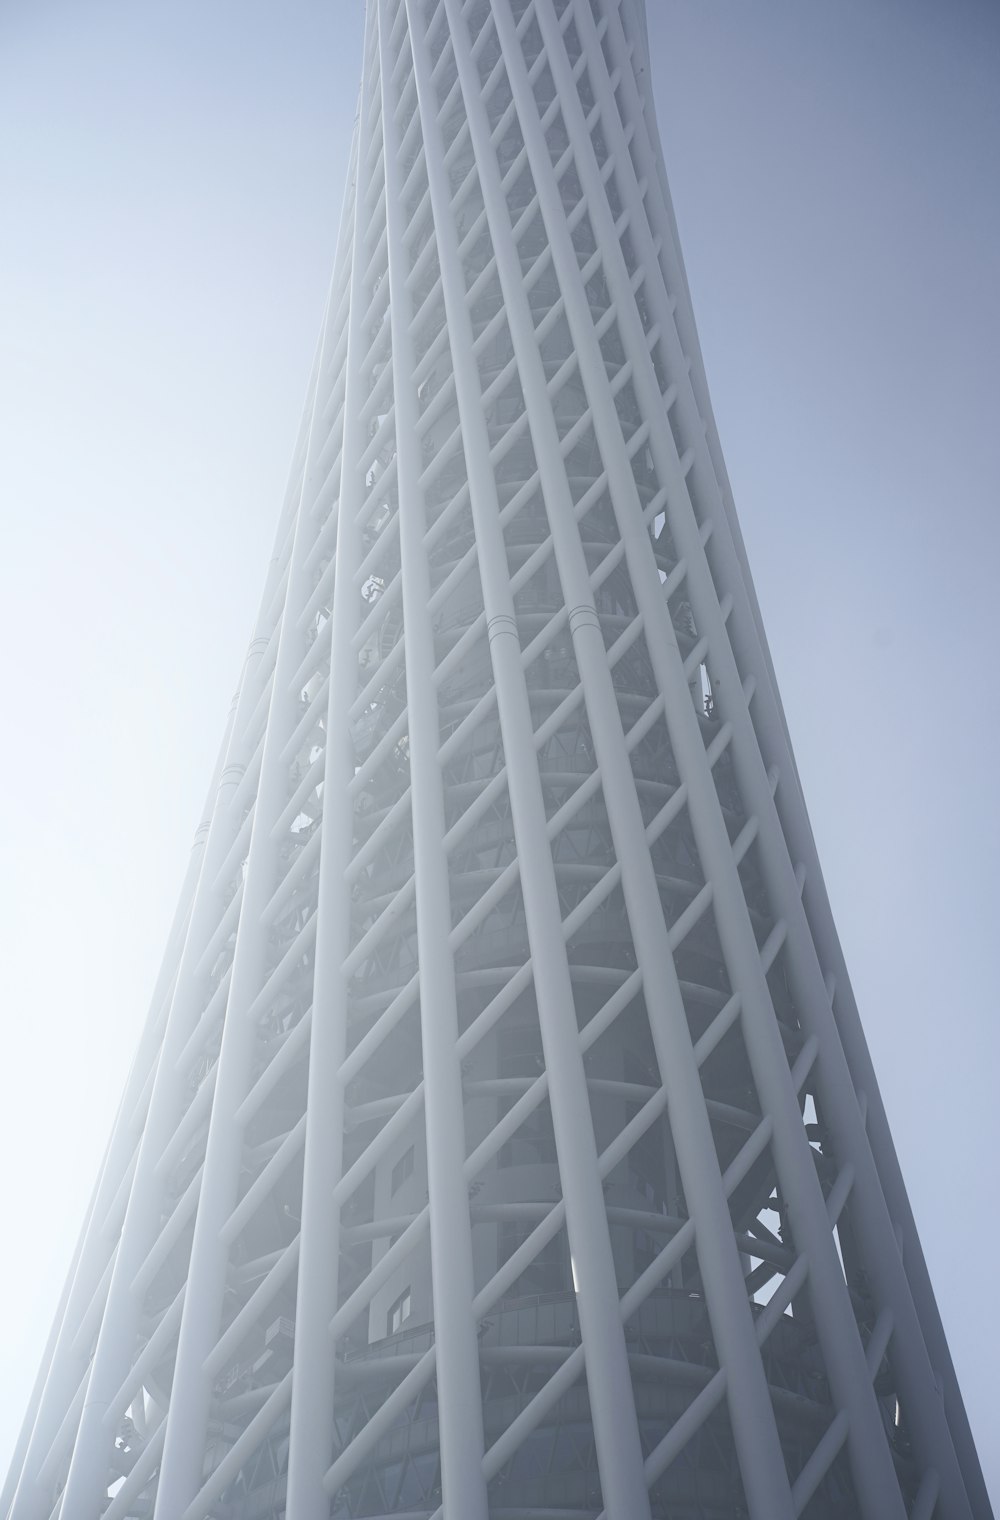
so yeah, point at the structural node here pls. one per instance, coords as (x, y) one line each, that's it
(502, 1140)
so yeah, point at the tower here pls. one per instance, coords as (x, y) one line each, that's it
(502, 1138)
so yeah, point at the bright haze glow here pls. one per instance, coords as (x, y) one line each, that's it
(171, 178)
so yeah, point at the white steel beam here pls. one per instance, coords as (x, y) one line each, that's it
(503, 1010)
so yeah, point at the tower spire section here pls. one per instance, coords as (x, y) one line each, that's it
(503, 1141)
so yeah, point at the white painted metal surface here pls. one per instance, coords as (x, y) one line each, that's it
(502, 1141)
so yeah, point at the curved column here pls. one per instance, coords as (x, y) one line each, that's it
(841, 1111)
(504, 164)
(99, 1243)
(878, 1489)
(458, 1378)
(753, 1422)
(184, 1437)
(608, 1378)
(312, 1430)
(85, 1489)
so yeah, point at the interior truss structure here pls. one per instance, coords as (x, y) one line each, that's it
(502, 1140)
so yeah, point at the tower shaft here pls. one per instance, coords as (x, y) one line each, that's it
(503, 1141)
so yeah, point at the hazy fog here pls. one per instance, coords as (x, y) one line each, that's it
(170, 179)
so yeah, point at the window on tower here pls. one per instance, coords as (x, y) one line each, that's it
(402, 1169)
(399, 1313)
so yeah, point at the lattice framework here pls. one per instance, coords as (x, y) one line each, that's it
(508, 691)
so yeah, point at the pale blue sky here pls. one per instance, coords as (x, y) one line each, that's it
(170, 181)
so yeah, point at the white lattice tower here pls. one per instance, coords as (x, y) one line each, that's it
(502, 1139)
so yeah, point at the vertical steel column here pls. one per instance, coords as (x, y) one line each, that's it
(54, 1387)
(754, 1427)
(312, 1431)
(89, 1468)
(17, 1463)
(64, 1364)
(459, 1385)
(86, 1481)
(65, 1367)
(608, 1378)
(878, 1488)
(191, 1390)
(83, 1283)
(111, 1344)
(841, 1112)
